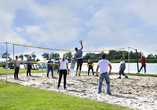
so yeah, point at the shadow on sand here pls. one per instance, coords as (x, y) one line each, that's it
(120, 96)
(76, 91)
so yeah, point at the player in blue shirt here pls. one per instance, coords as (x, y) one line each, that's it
(29, 66)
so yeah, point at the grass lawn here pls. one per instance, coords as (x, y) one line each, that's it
(16, 96)
(11, 71)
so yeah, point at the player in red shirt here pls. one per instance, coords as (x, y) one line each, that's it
(143, 64)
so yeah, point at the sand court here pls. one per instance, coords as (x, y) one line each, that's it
(136, 92)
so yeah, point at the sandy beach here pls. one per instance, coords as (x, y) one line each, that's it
(136, 92)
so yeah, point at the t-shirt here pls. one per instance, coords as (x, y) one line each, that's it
(103, 64)
(79, 53)
(63, 64)
(143, 61)
(72, 65)
(50, 65)
(17, 64)
(90, 64)
(121, 63)
(28, 63)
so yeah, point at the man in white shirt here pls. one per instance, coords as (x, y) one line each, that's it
(104, 73)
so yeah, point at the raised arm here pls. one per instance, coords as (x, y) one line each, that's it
(81, 46)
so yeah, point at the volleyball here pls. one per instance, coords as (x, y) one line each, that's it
(80, 41)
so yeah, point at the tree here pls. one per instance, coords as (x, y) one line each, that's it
(21, 56)
(37, 60)
(45, 55)
(55, 56)
(34, 56)
(150, 56)
(27, 56)
(89, 56)
(10, 59)
(51, 55)
(5, 55)
(69, 56)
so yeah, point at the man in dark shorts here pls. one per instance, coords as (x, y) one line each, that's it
(90, 66)
(29, 66)
(50, 67)
(79, 57)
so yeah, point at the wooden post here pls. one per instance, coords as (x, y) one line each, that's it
(137, 60)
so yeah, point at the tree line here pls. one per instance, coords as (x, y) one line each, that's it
(111, 55)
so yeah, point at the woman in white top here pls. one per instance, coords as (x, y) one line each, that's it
(16, 66)
(63, 67)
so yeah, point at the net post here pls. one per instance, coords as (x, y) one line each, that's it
(123, 53)
(13, 52)
(137, 60)
(6, 61)
(128, 62)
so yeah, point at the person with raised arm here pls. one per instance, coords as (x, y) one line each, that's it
(79, 57)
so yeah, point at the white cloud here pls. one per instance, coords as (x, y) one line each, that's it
(19, 29)
(146, 10)
(32, 29)
(13, 38)
(7, 15)
(108, 24)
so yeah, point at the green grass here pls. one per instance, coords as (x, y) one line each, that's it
(11, 71)
(18, 97)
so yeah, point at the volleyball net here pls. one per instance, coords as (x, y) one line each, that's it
(41, 55)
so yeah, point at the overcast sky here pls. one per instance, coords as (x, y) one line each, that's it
(100, 24)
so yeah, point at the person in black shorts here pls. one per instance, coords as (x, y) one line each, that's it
(79, 57)
(90, 66)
